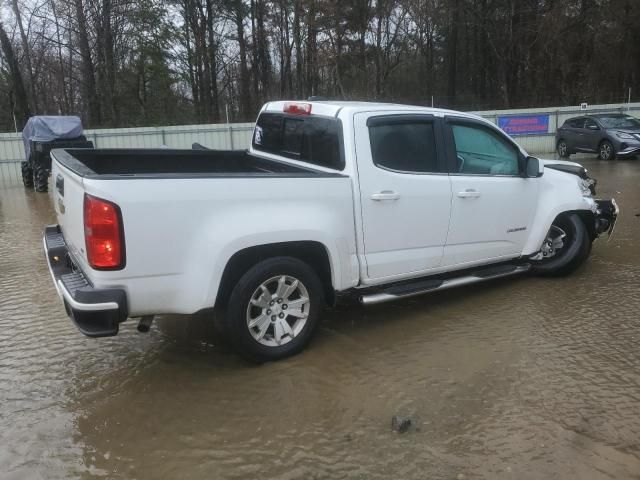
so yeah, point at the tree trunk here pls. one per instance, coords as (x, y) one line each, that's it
(245, 96)
(88, 82)
(27, 57)
(21, 110)
(453, 54)
(213, 80)
(297, 40)
(311, 62)
(110, 100)
(264, 62)
(195, 92)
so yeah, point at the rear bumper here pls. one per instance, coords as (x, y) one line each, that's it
(95, 312)
(606, 215)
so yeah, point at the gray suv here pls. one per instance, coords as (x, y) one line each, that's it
(610, 135)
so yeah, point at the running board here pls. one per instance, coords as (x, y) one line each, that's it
(419, 287)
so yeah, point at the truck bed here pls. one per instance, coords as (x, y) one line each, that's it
(173, 163)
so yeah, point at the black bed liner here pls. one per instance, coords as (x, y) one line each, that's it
(109, 164)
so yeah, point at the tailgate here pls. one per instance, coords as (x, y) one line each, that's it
(68, 201)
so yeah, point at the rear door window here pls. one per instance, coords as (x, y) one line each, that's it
(310, 139)
(404, 146)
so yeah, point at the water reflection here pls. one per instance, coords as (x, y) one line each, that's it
(524, 378)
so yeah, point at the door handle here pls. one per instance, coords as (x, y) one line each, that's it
(469, 193)
(385, 195)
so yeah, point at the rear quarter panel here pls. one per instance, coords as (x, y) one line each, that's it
(180, 233)
(69, 208)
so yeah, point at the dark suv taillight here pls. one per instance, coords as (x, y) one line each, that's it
(103, 234)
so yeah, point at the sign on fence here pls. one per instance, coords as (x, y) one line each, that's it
(524, 124)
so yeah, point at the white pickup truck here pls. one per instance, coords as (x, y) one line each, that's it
(380, 201)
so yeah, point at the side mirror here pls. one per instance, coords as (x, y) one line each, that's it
(533, 167)
(593, 127)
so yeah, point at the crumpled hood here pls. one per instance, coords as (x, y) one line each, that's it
(567, 167)
(558, 162)
(572, 168)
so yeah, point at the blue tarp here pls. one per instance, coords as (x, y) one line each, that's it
(44, 128)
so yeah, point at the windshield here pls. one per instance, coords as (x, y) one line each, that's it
(620, 121)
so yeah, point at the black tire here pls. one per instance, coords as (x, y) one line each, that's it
(606, 151)
(563, 149)
(27, 174)
(40, 178)
(576, 249)
(236, 319)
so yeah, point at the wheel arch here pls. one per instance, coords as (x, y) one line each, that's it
(586, 216)
(313, 253)
(589, 220)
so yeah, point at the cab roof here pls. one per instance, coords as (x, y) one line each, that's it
(333, 108)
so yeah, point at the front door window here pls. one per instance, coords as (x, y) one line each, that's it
(480, 151)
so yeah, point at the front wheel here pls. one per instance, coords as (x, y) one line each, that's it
(274, 309)
(606, 151)
(566, 246)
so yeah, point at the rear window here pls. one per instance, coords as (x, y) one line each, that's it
(312, 139)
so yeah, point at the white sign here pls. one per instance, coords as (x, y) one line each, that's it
(584, 106)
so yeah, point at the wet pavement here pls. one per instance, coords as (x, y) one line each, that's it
(522, 378)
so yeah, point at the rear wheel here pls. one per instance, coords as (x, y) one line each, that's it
(566, 246)
(27, 174)
(606, 151)
(274, 309)
(562, 149)
(40, 178)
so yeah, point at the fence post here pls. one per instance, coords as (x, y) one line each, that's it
(164, 141)
(230, 127)
(95, 140)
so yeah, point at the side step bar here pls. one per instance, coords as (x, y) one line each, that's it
(419, 287)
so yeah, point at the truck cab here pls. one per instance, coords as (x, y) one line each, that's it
(373, 200)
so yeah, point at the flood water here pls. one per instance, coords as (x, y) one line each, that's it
(521, 378)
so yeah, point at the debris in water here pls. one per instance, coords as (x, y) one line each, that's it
(400, 424)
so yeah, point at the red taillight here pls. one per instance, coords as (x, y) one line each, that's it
(297, 108)
(103, 234)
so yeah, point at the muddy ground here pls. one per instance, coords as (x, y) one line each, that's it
(520, 378)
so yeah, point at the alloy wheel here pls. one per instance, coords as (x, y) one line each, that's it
(554, 242)
(562, 149)
(278, 310)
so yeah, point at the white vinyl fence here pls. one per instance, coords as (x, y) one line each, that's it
(217, 136)
(238, 135)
